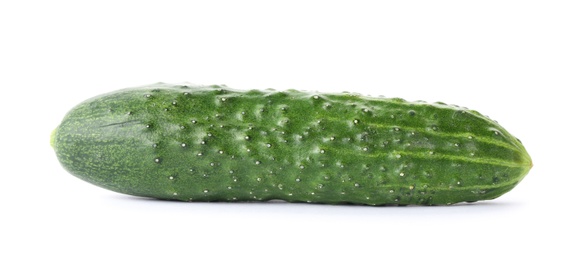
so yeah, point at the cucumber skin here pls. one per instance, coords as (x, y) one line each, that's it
(213, 143)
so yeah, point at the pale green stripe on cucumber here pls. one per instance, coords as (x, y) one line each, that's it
(213, 143)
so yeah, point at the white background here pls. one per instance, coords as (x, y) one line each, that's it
(519, 62)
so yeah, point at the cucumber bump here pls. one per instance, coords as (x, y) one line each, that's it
(213, 143)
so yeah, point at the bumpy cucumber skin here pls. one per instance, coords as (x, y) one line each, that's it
(213, 143)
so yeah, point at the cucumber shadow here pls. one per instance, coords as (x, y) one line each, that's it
(295, 204)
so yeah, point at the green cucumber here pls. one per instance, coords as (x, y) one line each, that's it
(213, 143)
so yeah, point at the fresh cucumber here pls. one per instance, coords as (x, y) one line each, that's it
(213, 143)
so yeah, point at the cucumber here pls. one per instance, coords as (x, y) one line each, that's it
(213, 143)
